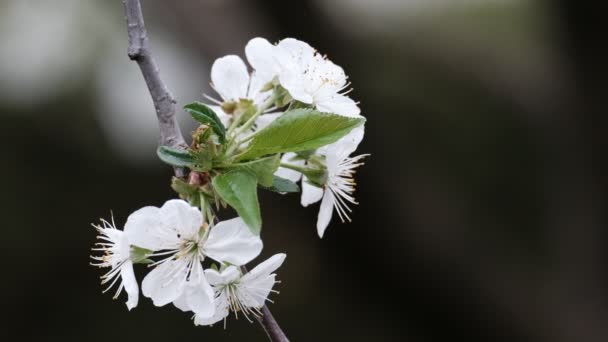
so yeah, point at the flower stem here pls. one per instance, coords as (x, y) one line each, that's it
(251, 120)
(300, 169)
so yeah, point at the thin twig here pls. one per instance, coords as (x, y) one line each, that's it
(170, 133)
(164, 103)
(267, 321)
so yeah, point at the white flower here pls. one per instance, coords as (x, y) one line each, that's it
(309, 77)
(176, 231)
(340, 185)
(241, 293)
(231, 80)
(116, 255)
(337, 192)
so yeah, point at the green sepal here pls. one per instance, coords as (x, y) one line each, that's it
(183, 188)
(202, 160)
(305, 154)
(282, 185)
(140, 255)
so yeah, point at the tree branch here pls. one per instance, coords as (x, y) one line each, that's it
(267, 321)
(164, 103)
(170, 133)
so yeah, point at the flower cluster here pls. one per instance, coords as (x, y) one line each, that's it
(177, 237)
(287, 121)
(309, 79)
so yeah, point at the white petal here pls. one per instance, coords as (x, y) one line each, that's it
(221, 311)
(230, 77)
(144, 229)
(232, 241)
(200, 298)
(295, 83)
(342, 148)
(165, 283)
(197, 295)
(257, 290)
(292, 52)
(265, 120)
(181, 218)
(261, 56)
(325, 212)
(310, 193)
(265, 268)
(338, 104)
(227, 276)
(290, 174)
(130, 284)
(257, 83)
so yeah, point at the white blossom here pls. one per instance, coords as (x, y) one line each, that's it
(232, 81)
(116, 254)
(241, 293)
(307, 76)
(339, 186)
(177, 232)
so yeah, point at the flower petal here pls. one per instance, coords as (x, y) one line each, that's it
(221, 311)
(181, 218)
(166, 282)
(257, 290)
(261, 56)
(227, 276)
(325, 212)
(265, 120)
(344, 147)
(200, 298)
(232, 241)
(144, 229)
(310, 193)
(265, 268)
(230, 77)
(294, 53)
(294, 82)
(130, 284)
(338, 104)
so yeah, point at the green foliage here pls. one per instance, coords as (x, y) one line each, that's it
(174, 156)
(263, 168)
(140, 255)
(238, 188)
(202, 160)
(282, 185)
(300, 130)
(205, 115)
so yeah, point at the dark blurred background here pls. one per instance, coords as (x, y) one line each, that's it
(482, 208)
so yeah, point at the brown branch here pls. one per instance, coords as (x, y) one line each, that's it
(164, 103)
(170, 133)
(267, 321)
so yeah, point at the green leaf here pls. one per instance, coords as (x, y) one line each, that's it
(300, 130)
(174, 156)
(183, 188)
(205, 115)
(202, 160)
(282, 185)
(263, 168)
(239, 189)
